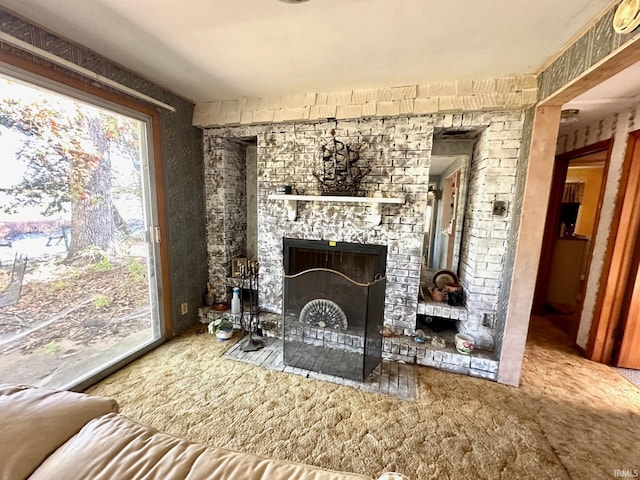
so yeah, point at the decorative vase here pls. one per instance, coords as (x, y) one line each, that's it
(464, 343)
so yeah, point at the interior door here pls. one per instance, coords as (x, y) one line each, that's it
(615, 333)
(627, 341)
(629, 353)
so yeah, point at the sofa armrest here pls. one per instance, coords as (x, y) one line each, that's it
(34, 422)
(114, 446)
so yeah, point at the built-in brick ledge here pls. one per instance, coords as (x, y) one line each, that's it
(400, 348)
(478, 363)
(441, 309)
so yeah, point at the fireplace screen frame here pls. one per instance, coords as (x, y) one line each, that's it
(352, 349)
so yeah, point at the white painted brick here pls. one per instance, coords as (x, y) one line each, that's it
(493, 101)
(399, 93)
(423, 91)
(263, 116)
(321, 99)
(270, 103)
(425, 105)
(301, 113)
(472, 102)
(513, 99)
(464, 88)
(229, 106)
(252, 104)
(231, 118)
(278, 115)
(339, 98)
(505, 84)
(384, 94)
(349, 111)
(484, 86)
(385, 109)
(450, 104)
(246, 117)
(201, 114)
(294, 101)
(526, 82)
(369, 108)
(322, 111)
(214, 113)
(406, 106)
(360, 97)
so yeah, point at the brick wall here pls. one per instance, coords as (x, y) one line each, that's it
(399, 151)
(485, 236)
(226, 208)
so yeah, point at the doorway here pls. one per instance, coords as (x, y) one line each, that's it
(79, 253)
(572, 217)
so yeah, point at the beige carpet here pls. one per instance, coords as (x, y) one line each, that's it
(570, 418)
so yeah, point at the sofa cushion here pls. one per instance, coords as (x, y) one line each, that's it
(114, 446)
(35, 422)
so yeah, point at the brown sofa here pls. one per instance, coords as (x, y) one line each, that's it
(49, 434)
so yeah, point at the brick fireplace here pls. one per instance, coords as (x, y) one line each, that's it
(398, 150)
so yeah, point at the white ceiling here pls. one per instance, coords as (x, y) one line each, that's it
(614, 94)
(218, 49)
(440, 163)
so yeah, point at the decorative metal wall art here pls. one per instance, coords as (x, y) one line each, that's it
(341, 174)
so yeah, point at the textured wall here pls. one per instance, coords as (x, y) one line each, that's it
(182, 163)
(593, 46)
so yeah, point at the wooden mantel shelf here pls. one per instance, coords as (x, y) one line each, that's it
(291, 202)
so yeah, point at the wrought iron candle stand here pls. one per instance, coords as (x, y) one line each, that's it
(249, 320)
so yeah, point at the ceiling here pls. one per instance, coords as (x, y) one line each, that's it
(219, 49)
(614, 94)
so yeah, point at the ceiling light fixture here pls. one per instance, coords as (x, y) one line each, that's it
(569, 116)
(294, 1)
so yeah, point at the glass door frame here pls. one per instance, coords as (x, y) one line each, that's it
(42, 76)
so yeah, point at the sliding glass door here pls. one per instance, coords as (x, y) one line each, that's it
(79, 259)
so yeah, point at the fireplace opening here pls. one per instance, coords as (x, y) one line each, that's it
(360, 262)
(333, 307)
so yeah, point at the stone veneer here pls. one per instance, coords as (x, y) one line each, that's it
(398, 150)
(496, 94)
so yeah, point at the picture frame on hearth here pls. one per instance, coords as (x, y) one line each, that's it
(238, 266)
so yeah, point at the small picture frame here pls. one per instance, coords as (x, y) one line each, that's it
(238, 266)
